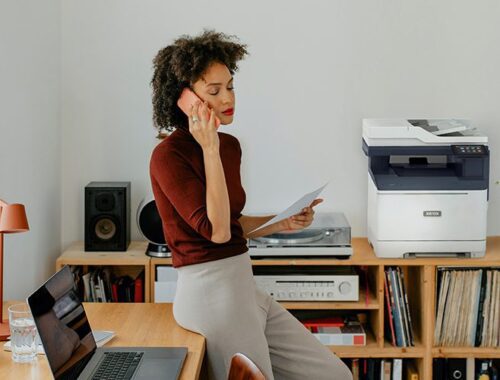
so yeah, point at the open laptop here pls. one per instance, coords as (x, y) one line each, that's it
(70, 346)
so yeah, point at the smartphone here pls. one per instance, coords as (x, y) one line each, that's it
(187, 99)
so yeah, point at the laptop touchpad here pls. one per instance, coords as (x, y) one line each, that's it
(164, 368)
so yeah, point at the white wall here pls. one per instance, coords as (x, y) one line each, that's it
(30, 138)
(316, 69)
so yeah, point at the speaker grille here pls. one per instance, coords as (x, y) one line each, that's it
(105, 202)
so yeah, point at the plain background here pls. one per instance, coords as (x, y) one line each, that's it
(75, 99)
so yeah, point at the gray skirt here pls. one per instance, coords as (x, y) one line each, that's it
(220, 300)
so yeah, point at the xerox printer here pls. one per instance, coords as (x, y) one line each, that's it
(427, 187)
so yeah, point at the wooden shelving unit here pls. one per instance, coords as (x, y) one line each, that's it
(122, 262)
(420, 277)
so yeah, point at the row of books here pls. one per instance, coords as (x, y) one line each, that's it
(337, 330)
(468, 307)
(465, 369)
(383, 369)
(101, 284)
(398, 324)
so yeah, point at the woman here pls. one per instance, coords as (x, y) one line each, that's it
(195, 175)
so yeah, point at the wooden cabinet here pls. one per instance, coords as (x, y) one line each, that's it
(420, 277)
(123, 263)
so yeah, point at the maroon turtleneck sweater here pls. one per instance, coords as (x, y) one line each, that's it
(178, 180)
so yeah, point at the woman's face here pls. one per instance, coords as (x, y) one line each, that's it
(216, 87)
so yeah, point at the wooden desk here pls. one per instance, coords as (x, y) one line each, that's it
(135, 324)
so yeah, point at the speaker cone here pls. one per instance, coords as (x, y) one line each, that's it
(105, 228)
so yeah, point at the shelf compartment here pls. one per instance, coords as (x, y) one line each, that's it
(416, 299)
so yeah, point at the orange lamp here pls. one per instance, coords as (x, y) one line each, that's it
(12, 219)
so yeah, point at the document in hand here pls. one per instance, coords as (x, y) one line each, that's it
(295, 208)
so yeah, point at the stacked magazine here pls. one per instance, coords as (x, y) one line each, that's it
(399, 324)
(468, 307)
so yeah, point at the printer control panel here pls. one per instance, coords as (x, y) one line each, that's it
(468, 150)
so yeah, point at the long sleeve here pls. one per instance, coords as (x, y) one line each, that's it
(184, 189)
(178, 181)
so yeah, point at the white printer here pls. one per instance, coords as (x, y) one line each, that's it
(427, 187)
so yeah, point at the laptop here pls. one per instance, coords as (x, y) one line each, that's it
(70, 346)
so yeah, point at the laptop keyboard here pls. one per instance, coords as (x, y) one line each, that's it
(118, 365)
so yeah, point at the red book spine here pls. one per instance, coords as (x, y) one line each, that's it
(138, 289)
(114, 292)
(324, 322)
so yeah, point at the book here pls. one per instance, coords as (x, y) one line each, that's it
(342, 336)
(86, 287)
(390, 317)
(486, 309)
(442, 296)
(397, 326)
(355, 369)
(406, 307)
(377, 364)
(139, 288)
(494, 313)
(438, 369)
(371, 370)
(475, 309)
(398, 320)
(385, 369)
(480, 317)
(448, 306)
(470, 369)
(397, 369)
(313, 324)
(401, 303)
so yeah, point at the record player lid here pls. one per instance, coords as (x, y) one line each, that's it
(327, 230)
(298, 237)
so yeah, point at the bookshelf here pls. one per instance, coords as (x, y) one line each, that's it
(420, 276)
(123, 263)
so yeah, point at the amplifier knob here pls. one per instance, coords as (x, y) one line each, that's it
(329, 295)
(292, 294)
(344, 288)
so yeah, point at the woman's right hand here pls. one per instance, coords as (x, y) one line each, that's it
(203, 129)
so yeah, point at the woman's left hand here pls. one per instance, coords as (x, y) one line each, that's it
(301, 220)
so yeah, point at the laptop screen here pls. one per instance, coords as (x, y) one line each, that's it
(62, 325)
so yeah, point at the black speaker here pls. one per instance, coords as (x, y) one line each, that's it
(107, 216)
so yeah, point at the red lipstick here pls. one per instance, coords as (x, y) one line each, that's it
(229, 112)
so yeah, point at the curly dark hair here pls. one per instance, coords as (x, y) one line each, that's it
(180, 65)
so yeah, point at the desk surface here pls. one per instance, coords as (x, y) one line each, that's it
(135, 324)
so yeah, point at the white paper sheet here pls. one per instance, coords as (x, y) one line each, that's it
(295, 208)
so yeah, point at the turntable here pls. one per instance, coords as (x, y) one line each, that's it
(328, 235)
